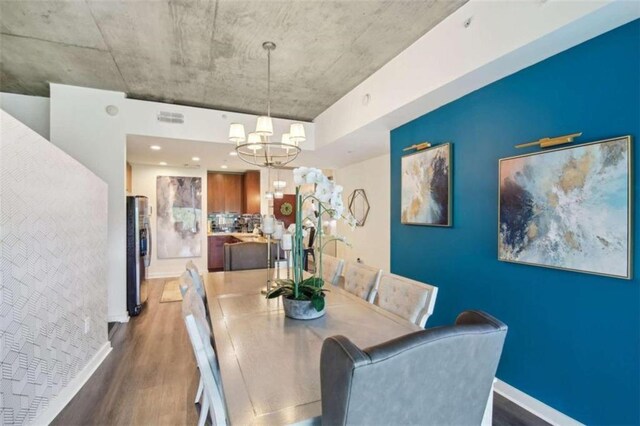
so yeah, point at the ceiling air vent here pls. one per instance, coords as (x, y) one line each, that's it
(170, 117)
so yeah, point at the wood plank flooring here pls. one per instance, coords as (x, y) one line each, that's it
(150, 377)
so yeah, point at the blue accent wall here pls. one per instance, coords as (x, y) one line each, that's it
(574, 339)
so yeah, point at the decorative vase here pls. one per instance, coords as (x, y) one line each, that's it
(301, 309)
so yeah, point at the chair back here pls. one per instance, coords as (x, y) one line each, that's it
(192, 304)
(361, 280)
(212, 385)
(407, 298)
(439, 376)
(331, 269)
(249, 255)
(185, 282)
(312, 237)
(196, 278)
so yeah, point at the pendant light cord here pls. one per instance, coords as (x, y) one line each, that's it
(269, 83)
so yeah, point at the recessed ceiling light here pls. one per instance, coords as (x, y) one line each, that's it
(224, 166)
(195, 158)
(233, 154)
(155, 147)
(162, 163)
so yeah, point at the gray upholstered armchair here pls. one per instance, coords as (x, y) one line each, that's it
(438, 376)
(247, 255)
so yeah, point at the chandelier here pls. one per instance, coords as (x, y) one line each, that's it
(257, 148)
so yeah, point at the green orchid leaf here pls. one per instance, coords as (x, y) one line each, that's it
(279, 291)
(318, 302)
(316, 282)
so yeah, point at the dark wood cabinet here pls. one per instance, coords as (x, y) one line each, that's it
(215, 193)
(216, 251)
(251, 192)
(233, 192)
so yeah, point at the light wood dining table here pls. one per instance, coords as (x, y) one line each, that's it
(270, 364)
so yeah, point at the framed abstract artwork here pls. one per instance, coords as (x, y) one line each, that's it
(179, 210)
(568, 208)
(426, 187)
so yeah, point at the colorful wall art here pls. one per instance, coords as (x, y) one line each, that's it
(426, 187)
(568, 208)
(179, 209)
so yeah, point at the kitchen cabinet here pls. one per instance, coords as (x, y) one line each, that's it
(216, 251)
(224, 193)
(233, 192)
(251, 192)
(215, 193)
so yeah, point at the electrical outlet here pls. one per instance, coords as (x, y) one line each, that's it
(87, 325)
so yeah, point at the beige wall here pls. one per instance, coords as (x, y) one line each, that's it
(144, 183)
(371, 242)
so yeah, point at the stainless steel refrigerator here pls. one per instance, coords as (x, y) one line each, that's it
(138, 251)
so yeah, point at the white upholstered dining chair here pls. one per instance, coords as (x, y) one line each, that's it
(331, 269)
(407, 298)
(213, 404)
(361, 280)
(200, 335)
(196, 278)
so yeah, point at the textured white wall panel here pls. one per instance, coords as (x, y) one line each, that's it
(53, 229)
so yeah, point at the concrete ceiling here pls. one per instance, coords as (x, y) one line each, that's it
(208, 52)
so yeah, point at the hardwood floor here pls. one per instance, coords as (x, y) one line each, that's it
(150, 377)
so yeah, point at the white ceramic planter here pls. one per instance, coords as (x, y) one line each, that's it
(301, 309)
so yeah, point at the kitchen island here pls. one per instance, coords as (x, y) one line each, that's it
(217, 240)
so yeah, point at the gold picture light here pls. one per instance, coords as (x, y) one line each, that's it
(547, 142)
(418, 146)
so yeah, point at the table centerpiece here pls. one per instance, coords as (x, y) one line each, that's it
(304, 298)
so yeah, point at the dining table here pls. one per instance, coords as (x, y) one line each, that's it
(269, 363)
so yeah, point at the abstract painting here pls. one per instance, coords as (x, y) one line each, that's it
(426, 187)
(179, 210)
(568, 208)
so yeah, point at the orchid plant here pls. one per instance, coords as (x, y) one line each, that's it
(312, 208)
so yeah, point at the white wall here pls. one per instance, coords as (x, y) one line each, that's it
(144, 183)
(53, 292)
(81, 127)
(33, 111)
(371, 242)
(452, 60)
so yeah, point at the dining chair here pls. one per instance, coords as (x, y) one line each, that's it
(196, 278)
(361, 280)
(192, 306)
(246, 255)
(213, 405)
(439, 376)
(309, 250)
(331, 269)
(412, 300)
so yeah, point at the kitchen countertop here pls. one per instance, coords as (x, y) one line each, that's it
(245, 237)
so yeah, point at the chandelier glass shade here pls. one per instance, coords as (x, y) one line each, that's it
(257, 148)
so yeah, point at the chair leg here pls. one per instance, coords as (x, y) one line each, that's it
(199, 391)
(204, 412)
(487, 419)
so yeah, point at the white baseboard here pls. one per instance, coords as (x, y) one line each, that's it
(539, 408)
(66, 395)
(165, 274)
(123, 317)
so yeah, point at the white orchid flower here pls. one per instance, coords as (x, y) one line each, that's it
(300, 175)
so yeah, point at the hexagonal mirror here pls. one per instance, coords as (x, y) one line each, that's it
(359, 206)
